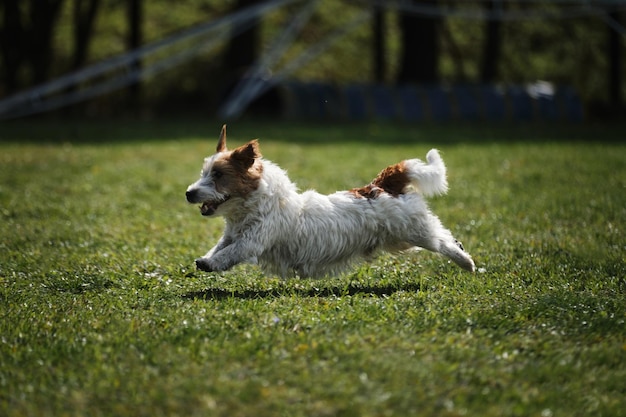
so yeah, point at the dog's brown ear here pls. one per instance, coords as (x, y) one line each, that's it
(246, 154)
(221, 143)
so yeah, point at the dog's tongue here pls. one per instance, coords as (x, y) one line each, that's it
(207, 209)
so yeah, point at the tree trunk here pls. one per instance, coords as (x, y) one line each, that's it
(85, 12)
(242, 50)
(419, 57)
(491, 48)
(43, 18)
(11, 45)
(615, 65)
(379, 29)
(135, 20)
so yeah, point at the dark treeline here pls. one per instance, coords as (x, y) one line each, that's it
(42, 39)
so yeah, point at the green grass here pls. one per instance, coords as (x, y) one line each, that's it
(102, 312)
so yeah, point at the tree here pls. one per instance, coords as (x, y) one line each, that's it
(242, 50)
(12, 44)
(26, 38)
(241, 54)
(135, 19)
(378, 30)
(43, 16)
(85, 12)
(491, 47)
(615, 64)
(419, 56)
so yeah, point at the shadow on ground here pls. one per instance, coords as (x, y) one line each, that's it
(335, 291)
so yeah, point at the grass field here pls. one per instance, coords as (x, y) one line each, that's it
(103, 314)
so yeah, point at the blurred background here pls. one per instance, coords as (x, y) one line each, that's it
(305, 59)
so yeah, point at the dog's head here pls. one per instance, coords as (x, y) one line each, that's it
(226, 177)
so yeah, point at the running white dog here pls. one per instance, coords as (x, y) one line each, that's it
(268, 222)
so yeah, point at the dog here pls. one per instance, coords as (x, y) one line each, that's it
(268, 222)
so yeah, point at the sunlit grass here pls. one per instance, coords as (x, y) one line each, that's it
(104, 314)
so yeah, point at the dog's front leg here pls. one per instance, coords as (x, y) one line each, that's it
(228, 256)
(221, 244)
(204, 263)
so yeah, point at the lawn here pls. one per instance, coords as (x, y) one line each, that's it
(103, 314)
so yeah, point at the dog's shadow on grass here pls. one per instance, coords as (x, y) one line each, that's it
(333, 291)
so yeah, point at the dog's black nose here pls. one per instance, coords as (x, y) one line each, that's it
(191, 196)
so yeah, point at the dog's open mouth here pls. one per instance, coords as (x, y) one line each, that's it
(208, 208)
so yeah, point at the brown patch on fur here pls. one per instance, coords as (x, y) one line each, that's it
(369, 191)
(246, 155)
(239, 169)
(391, 180)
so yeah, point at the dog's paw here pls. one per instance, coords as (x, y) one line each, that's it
(203, 264)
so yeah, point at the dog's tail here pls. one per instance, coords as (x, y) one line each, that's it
(428, 179)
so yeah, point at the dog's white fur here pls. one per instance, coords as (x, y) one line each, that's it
(270, 223)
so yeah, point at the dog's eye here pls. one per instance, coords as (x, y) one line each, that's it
(217, 174)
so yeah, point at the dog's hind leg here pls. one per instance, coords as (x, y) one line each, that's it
(439, 239)
(455, 252)
(449, 248)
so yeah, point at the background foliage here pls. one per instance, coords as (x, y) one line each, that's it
(571, 51)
